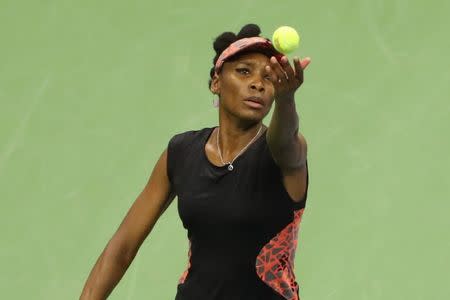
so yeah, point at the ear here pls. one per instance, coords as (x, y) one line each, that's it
(215, 85)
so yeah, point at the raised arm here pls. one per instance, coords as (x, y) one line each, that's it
(135, 227)
(287, 145)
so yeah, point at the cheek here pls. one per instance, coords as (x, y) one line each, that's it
(232, 86)
(270, 90)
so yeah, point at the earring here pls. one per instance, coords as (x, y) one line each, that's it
(216, 103)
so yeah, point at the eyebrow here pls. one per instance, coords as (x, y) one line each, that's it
(246, 62)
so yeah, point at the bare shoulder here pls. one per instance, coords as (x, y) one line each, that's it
(153, 200)
(158, 189)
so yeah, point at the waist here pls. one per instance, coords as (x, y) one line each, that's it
(204, 283)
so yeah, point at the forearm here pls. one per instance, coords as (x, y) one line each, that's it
(107, 272)
(283, 128)
(287, 146)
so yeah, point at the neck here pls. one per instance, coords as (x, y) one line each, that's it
(233, 136)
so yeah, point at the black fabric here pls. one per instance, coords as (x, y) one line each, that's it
(229, 215)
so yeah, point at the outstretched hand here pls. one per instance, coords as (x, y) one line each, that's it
(286, 79)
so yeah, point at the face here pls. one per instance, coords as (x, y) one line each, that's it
(244, 87)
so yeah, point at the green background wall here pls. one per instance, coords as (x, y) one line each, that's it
(91, 92)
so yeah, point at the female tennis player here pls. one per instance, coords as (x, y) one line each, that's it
(241, 186)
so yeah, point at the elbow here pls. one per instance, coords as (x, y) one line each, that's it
(287, 164)
(291, 156)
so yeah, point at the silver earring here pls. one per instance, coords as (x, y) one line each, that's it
(216, 103)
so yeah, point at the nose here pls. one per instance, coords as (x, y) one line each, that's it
(257, 84)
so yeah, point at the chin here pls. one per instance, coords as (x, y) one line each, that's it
(247, 115)
(255, 116)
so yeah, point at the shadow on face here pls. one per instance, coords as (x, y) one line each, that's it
(245, 87)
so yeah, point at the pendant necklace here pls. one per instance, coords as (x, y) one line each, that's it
(230, 163)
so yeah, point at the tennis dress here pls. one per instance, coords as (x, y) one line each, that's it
(242, 224)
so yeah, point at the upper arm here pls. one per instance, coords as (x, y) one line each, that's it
(292, 162)
(145, 211)
(296, 183)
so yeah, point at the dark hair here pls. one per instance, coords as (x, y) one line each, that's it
(225, 39)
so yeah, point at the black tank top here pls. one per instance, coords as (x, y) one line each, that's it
(242, 224)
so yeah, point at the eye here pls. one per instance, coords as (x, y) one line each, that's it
(243, 71)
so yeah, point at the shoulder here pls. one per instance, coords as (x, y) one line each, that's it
(184, 145)
(188, 137)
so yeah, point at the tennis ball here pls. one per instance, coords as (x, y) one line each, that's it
(285, 39)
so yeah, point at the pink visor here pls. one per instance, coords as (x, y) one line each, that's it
(257, 43)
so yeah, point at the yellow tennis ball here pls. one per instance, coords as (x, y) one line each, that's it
(285, 39)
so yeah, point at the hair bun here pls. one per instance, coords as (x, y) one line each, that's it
(223, 41)
(249, 30)
(227, 38)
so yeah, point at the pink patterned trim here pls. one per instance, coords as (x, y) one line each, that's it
(245, 43)
(275, 261)
(186, 272)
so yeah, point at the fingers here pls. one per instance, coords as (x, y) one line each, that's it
(277, 69)
(299, 66)
(281, 70)
(273, 76)
(305, 62)
(287, 68)
(298, 69)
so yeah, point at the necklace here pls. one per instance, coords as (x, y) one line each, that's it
(230, 163)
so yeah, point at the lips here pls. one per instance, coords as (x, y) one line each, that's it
(255, 99)
(254, 102)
